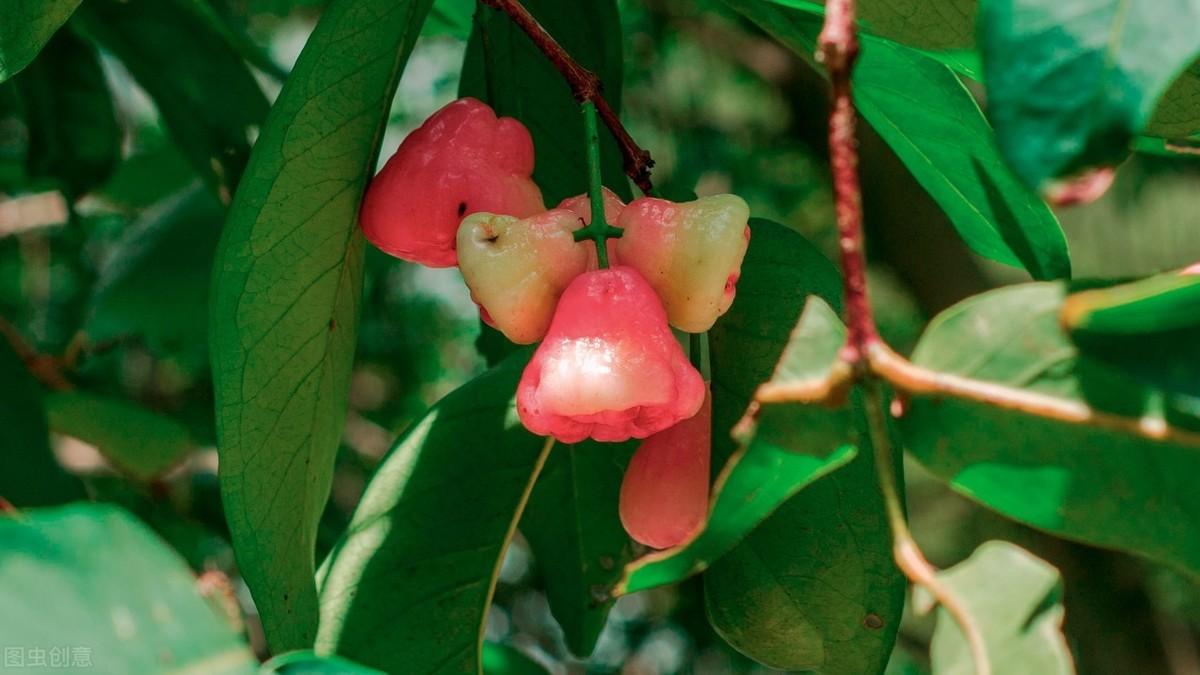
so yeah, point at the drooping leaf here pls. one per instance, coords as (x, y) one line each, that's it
(1016, 600)
(575, 533)
(935, 127)
(140, 442)
(504, 68)
(308, 663)
(285, 300)
(771, 467)
(155, 285)
(25, 27)
(1118, 477)
(780, 272)
(1070, 83)
(1149, 329)
(408, 586)
(501, 659)
(97, 585)
(207, 97)
(29, 473)
(73, 133)
(813, 586)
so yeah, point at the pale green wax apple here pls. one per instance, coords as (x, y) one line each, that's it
(517, 268)
(691, 253)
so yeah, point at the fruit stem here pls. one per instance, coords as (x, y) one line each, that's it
(598, 230)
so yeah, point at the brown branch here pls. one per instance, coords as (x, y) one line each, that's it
(837, 48)
(585, 86)
(45, 367)
(910, 378)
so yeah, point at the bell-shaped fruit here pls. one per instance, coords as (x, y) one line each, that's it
(517, 268)
(691, 253)
(609, 368)
(582, 205)
(664, 495)
(462, 160)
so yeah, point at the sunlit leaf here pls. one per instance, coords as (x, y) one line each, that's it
(1127, 489)
(93, 581)
(408, 587)
(285, 300)
(1016, 600)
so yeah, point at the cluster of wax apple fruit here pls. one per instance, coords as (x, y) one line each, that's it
(459, 191)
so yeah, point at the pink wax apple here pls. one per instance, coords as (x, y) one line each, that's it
(462, 160)
(609, 367)
(664, 495)
(691, 253)
(581, 205)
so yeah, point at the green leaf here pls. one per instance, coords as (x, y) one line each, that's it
(575, 532)
(94, 581)
(1149, 329)
(140, 442)
(25, 27)
(1016, 599)
(408, 586)
(1177, 115)
(501, 659)
(306, 662)
(450, 17)
(1127, 489)
(74, 136)
(772, 467)
(155, 284)
(780, 271)
(207, 97)
(1069, 83)
(29, 473)
(933, 124)
(504, 68)
(285, 300)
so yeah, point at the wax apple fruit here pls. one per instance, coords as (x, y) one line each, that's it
(664, 495)
(691, 253)
(517, 268)
(462, 160)
(609, 367)
(582, 206)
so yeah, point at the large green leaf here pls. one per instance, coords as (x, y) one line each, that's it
(499, 659)
(408, 586)
(29, 474)
(74, 138)
(1129, 489)
(575, 532)
(504, 68)
(1148, 328)
(25, 27)
(930, 120)
(1016, 600)
(89, 587)
(1069, 83)
(207, 97)
(140, 442)
(155, 285)
(838, 518)
(791, 446)
(285, 300)
(1177, 115)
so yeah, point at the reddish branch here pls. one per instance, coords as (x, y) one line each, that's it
(46, 368)
(837, 48)
(585, 86)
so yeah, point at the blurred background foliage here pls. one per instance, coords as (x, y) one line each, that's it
(109, 229)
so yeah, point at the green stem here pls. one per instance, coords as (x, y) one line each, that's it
(598, 230)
